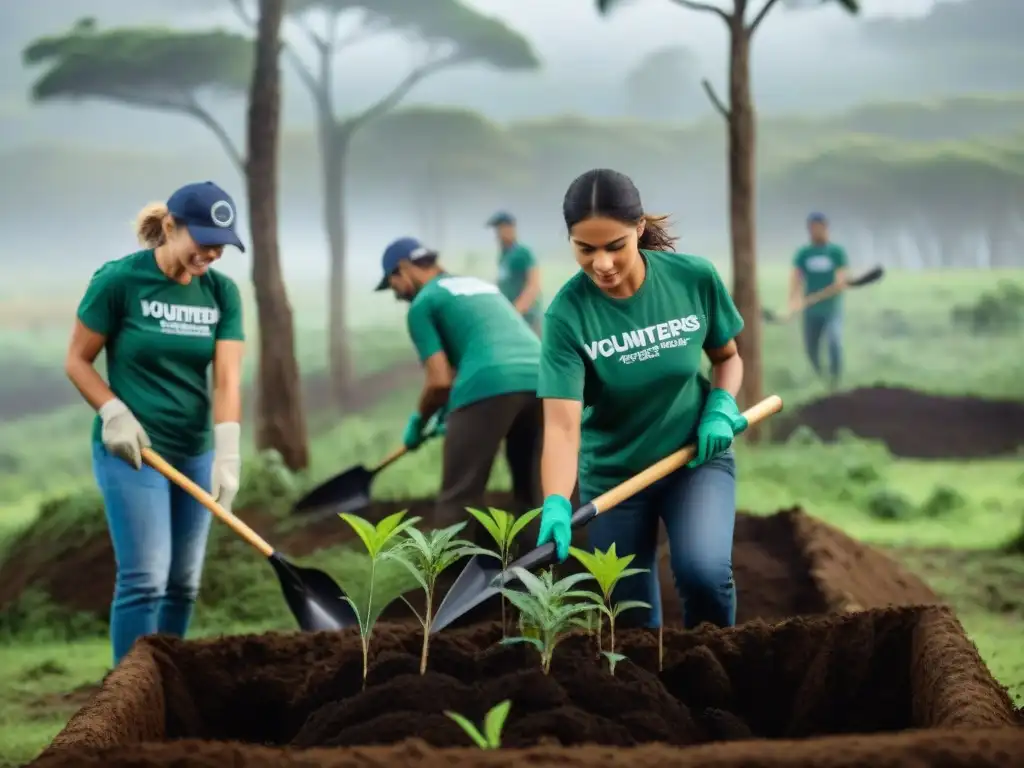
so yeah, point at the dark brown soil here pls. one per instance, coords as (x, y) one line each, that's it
(733, 691)
(914, 424)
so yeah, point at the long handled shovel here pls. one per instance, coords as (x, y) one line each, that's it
(314, 598)
(871, 276)
(349, 491)
(480, 580)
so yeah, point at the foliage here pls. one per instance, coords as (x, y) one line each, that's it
(267, 482)
(377, 539)
(426, 556)
(608, 569)
(994, 313)
(548, 607)
(494, 722)
(503, 528)
(887, 504)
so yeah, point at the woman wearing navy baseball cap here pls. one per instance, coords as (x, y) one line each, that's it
(163, 317)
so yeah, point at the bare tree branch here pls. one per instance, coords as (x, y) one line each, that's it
(705, 7)
(752, 27)
(196, 110)
(399, 92)
(716, 102)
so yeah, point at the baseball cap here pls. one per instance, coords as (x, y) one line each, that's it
(402, 249)
(208, 212)
(500, 218)
(817, 217)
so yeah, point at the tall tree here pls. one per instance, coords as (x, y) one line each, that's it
(450, 33)
(281, 423)
(742, 21)
(152, 68)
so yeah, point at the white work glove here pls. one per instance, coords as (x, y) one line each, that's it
(122, 435)
(227, 462)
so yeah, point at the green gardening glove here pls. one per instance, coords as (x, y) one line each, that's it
(439, 425)
(720, 422)
(413, 436)
(556, 525)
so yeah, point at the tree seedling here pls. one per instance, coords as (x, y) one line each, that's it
(426, 556)
(548, 609)
(503, 527)
(494, 723)
(607, 569)
(376, 538)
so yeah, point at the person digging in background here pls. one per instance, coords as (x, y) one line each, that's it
(163, 316)
(621, 388)
(480, 362)
(518, 272)
(816, 266)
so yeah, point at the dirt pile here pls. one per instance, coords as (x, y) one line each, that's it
(720, 698)
(914, 424)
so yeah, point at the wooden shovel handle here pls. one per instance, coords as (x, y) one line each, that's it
(391, 458)
(157, 462)
(755, 414)
(813, 298)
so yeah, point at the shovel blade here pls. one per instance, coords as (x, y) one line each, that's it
(314, 598)
(347, 492)
(871, 276)
(477, 583)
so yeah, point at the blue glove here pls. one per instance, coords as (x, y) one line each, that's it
(438, 420)
(413, 436)
(556, 525)
(720, 422)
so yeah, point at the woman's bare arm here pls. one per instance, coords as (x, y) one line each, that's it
(80, 365)
(227, 381)
(560, 458)
(726, 368)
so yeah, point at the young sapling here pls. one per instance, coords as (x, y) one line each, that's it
(608, 569)
(503, 527)
(426, 556)
(376, 538)
(494, 723)
(548, 609)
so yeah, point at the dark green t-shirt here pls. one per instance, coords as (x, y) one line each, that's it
(634, 363)
(491, 348)
(818, 265)
(160, 343)
(514, 265)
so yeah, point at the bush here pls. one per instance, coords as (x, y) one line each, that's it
(885, 504)
(267, 483)
(994, 313)
(943, 501)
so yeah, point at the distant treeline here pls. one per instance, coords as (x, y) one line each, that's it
(917, 184)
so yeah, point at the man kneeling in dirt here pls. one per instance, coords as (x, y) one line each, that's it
(481, 361)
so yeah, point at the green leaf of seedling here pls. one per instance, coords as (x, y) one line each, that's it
(469, 728)
(388, 529)
(413, 568)
(613, 659)
(364, 530)
(521, 522)
(359, 617)
(489, 524)
(535, 642)
(526, 604)
(494, 722)
(475, 550)
(627, 605)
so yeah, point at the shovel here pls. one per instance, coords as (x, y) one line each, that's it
(314, 598)
(480, 580)
(349, 491)
(871, 276)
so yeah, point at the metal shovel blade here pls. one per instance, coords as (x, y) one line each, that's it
(314, 598)
(871, 276)
(347, 492)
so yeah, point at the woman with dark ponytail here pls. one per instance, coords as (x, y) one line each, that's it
(622, 388)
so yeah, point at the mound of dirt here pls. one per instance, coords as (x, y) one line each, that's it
(812, 679)
(914, 424)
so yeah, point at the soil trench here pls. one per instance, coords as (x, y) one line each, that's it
(814, 678)
(913, 424)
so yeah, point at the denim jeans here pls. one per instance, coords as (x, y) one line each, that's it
(698, 507)
(159, 536)
(829, 327)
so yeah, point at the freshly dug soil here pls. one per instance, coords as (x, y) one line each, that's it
(875, 672)
(914, 424)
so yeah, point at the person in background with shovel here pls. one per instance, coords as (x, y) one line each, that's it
(163, 316)
(518, 273)
(816, 266)
(480, 361)
(621, 385)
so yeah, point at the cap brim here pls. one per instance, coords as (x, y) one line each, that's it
(384, 284)
(213, 236)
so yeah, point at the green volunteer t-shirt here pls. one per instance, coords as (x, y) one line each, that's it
(818, 265)
(491, 348)
(635, 363)
(160, 343)
(514, 265)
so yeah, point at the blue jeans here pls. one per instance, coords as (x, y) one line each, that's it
(698, 507)
(829, 327)
(159, 536)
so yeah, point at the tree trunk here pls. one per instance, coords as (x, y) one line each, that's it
(743, 213)
(335, 139)
(280, 422)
